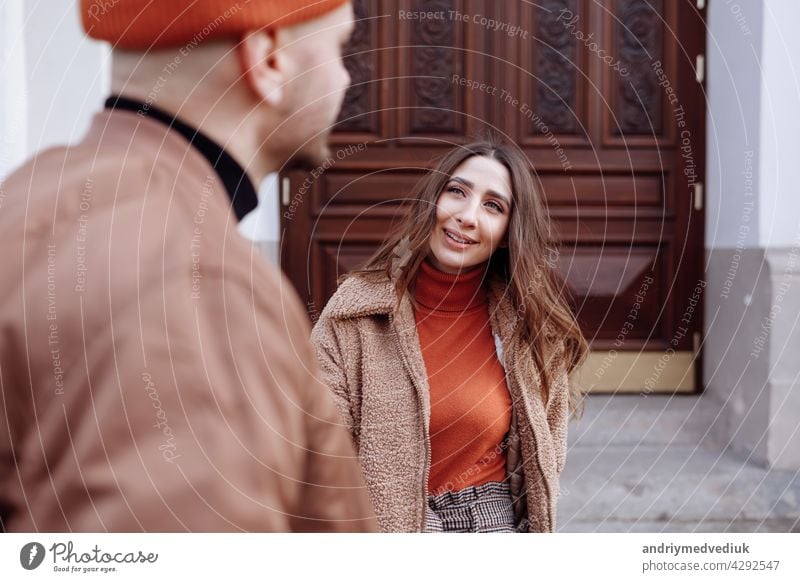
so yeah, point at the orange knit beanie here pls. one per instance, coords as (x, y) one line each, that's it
(144, 24)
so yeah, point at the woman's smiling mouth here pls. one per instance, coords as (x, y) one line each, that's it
(459, 239)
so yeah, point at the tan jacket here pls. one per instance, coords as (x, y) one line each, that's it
(156, 373)
(371, 358)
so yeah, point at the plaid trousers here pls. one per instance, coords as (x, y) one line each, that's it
(482, 509)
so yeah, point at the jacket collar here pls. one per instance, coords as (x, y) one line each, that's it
(240, 188)
(363, 296)
(375, 294)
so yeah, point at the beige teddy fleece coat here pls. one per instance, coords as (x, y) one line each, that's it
(370, 356)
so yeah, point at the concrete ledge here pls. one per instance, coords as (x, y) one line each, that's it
(751, 367)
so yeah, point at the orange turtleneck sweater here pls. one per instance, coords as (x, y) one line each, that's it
(470, 403)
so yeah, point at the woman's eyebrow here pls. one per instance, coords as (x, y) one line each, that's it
(470, 185)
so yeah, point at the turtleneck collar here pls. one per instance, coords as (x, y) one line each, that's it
(240, 188)
(443, 292)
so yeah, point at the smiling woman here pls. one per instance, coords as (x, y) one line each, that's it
(471, 215)
(449, 354)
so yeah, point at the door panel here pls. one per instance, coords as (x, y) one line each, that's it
(602, 97)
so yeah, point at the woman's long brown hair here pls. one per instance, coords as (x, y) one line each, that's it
(526, 265)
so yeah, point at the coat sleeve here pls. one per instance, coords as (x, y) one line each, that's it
(325, 340)
(209, 415)
(334, 496)
(329, 494)
(558, 411)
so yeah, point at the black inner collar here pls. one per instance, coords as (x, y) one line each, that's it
(236, 181)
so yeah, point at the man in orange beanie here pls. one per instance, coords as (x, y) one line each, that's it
(155, 374)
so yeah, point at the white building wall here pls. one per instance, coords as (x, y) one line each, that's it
(779, 171)
(753, 124)
(53, 80)
(13, 87)
(68, 75)
(733, 49)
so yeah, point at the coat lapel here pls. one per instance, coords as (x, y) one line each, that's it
(524, 384)
(406, 327)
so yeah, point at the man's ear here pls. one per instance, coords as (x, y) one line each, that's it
(261, 65)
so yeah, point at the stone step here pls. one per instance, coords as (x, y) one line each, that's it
(673, 488)
(630, 419)
(675, 526)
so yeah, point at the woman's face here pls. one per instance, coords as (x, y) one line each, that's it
(472, 215)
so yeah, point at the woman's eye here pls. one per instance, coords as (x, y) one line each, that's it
(458, 191)
(495, 206)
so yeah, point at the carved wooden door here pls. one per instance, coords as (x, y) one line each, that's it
(606, 99)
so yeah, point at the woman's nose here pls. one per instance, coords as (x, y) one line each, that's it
(467, 214)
